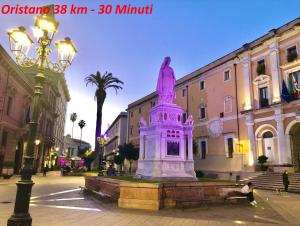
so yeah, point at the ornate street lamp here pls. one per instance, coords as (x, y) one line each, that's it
(20, 43)
(102, 140)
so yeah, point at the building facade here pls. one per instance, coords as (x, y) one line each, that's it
(16, 97)
(117, 133)
(72, 146)
(238, 107)
(62, 99)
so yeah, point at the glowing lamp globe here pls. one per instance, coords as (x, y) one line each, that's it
(20, 41)
(46, 23)
(66, 52)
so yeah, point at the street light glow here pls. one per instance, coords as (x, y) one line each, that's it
(45, 23)
(20, 41)
(66, 51)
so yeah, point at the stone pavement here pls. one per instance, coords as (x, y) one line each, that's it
(286, 204)
(57, 201)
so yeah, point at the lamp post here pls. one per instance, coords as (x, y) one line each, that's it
(20, 42)
(102, 140)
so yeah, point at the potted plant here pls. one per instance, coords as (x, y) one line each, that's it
(8, 169)
(262, 160)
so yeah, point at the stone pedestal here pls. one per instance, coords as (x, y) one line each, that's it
(166, 145)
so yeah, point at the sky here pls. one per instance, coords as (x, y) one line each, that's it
(132, 47)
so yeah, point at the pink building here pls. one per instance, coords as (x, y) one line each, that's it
(237, 105)
(16, 96)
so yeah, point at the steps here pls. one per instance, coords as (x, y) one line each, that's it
(272, 181)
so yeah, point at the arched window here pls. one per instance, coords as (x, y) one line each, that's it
(268, 134)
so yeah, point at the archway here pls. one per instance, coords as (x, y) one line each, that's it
(266, 142)
(295, 145)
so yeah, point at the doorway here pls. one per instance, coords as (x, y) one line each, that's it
(295, 146)
(268, 146)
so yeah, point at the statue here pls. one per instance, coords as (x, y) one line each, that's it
(142, 122)
(190, 120)
(165, 88)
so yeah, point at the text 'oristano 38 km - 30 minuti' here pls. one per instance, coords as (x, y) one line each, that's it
(104, 9)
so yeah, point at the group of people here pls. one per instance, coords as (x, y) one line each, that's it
(247, 190)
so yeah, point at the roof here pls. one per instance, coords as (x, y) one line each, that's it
(230, 56)
(122, 114)
(81, 141)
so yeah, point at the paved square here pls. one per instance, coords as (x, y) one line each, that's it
(58, 201)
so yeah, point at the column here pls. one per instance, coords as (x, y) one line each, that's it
(282, 157)
(275, 72)
(190, 144)
(142, 146)
(246, 77)
(251, 136)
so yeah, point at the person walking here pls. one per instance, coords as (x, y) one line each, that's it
(285, 180)
(247, 190)
(45, 170)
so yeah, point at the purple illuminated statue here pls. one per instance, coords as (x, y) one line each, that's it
(165, 87)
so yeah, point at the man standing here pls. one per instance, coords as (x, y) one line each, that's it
(285, 180)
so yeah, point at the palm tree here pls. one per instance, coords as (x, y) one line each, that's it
(103, 83)
(81, 124)
(73, 118)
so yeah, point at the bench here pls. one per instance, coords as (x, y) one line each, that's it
(190, 200)
(234, 195)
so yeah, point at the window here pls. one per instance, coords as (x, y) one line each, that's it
(140, 110)
(228, 104)
(183, 92)
(202, 85)
(229, 145)
(203, 148)
(131, 114)
(131, 131)
(202, 112)
(292, 54)
(261, 67)
(9, 106)
(227, 75)
(4, 139)
(184, 117)
(152, 104)
(263, 97)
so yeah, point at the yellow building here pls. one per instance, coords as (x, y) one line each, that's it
(237, 106)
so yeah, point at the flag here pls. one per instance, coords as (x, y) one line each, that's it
(285, 95)
(293, 91)
(27, 119)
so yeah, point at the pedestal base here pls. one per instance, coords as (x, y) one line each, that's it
(166, 170)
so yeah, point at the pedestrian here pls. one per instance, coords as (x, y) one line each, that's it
(45, 170)
(285, 180)
(247, 190)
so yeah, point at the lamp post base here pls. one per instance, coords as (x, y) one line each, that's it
(21, 216)
(21, 220)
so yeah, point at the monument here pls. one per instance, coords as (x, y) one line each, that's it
(166, 144)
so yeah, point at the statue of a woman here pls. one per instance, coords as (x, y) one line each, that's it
(166, 83)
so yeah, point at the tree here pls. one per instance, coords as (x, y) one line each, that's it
(129, 152)
(81, 124)
(262, 159)
(102, 83)
(73, 118)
